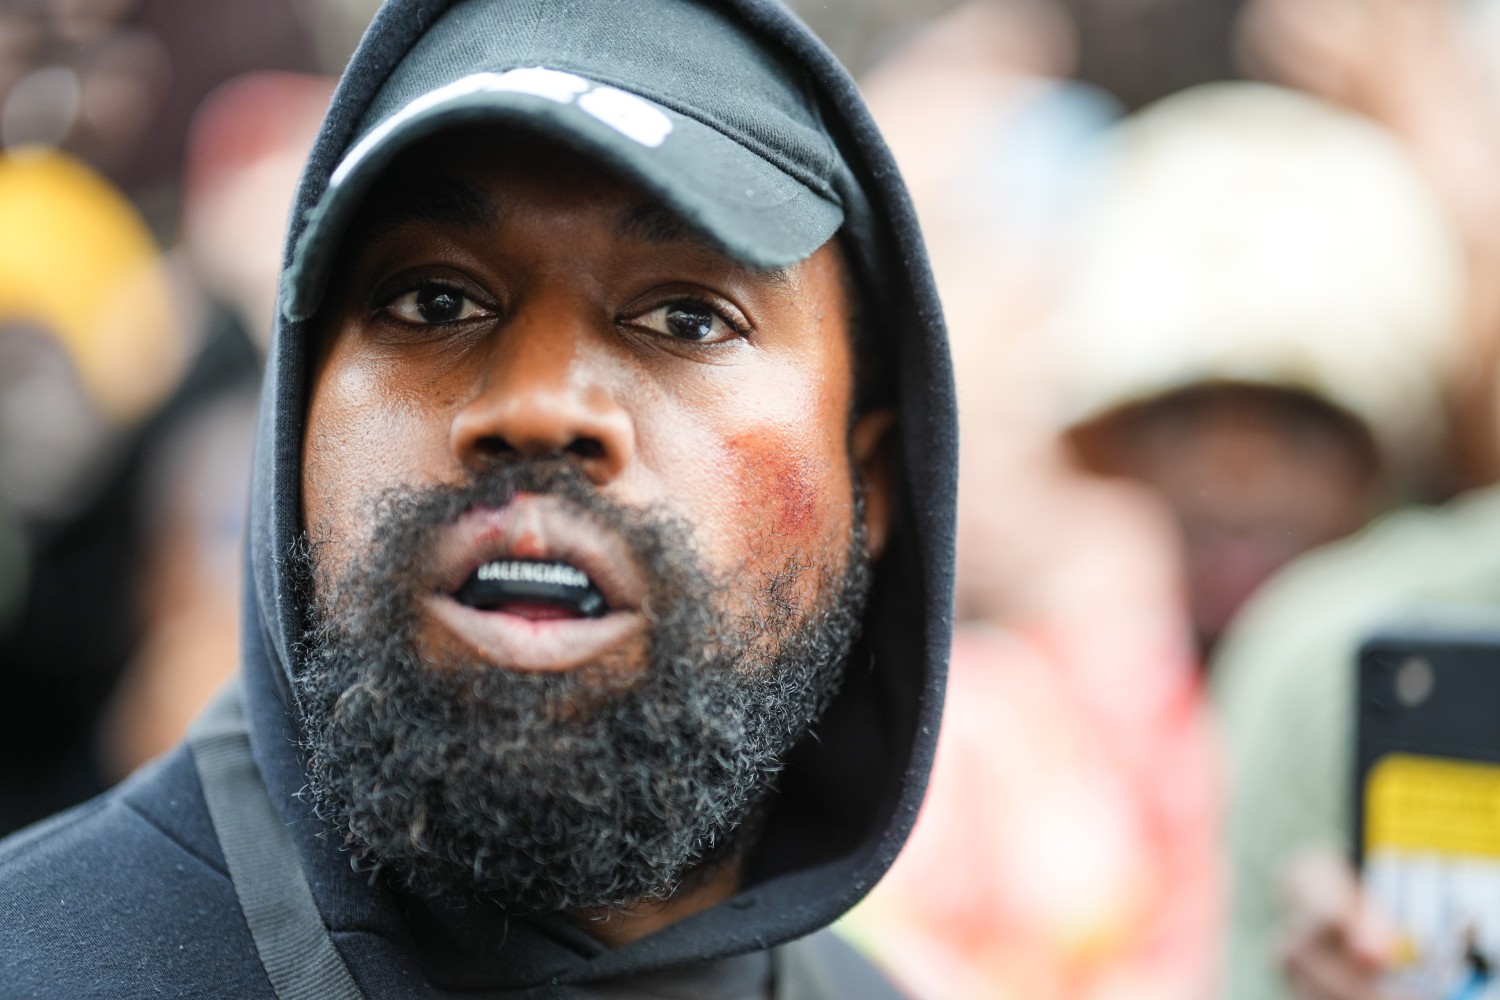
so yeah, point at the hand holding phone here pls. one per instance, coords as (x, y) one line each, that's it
(1336, 945)
(1427, 805)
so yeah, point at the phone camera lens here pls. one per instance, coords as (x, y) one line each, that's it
(1414, 681)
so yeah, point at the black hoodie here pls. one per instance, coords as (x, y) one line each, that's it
(128, 895)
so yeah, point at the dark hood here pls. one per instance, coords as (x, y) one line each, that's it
(850, 796)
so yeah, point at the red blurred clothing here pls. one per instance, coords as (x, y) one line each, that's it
(1068, 845)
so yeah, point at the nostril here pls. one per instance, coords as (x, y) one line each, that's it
(494, 445)
(497, 446)
(589, 448)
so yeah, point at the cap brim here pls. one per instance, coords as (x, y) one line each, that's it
(756, 213)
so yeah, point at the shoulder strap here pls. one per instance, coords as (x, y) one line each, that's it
(290, 937)
(822, 967)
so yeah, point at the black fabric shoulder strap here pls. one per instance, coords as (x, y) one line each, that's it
(290, 937)
(823, 967)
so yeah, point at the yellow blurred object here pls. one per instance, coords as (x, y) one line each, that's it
(77, 260)
(1434, 805)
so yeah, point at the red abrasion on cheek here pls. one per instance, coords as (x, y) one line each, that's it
(777, 484)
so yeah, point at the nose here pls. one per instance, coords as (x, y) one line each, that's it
(544, 391)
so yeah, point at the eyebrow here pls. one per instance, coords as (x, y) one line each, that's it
(445, 200)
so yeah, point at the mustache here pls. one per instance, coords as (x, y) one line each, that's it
(497, 486)
(406, 522)
(407, 518)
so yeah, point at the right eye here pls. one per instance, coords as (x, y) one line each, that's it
(433, 304)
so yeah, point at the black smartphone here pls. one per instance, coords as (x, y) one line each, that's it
(1427, 801)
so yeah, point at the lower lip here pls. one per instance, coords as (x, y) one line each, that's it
(542, 645)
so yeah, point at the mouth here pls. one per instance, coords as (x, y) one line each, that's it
(534, 589)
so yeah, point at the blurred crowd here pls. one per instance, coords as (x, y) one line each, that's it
(148, 152)
(1223, 284)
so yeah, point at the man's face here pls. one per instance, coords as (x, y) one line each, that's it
(578, 477)
(1255, 475)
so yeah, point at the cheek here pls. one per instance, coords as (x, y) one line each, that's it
(792, 466)
(778, 483)
(772, 477)
(362, 438)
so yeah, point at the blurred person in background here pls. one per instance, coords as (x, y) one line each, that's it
(116, 82)
(1425, 71)
(1137, 51)
(88, 346)
(1076, 777)
(1285, 675)
(245, 151)
(1285, 684)
(246, 148)
(95, 103)
(1262, 312)
(1141, 51)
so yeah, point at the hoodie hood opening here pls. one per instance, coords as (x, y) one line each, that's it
(849, 792)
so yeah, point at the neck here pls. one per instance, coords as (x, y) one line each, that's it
(700, 891)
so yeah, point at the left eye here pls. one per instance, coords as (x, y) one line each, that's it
(433, 304)
(690, 321)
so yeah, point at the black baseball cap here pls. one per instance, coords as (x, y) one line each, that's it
(674, 94)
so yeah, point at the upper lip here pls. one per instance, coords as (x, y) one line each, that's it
(545, 529)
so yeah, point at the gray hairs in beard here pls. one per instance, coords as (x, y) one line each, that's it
(551, 792)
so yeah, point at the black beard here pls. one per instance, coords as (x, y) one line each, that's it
(551, 792)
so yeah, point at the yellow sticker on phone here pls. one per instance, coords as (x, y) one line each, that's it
(1438, 804)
